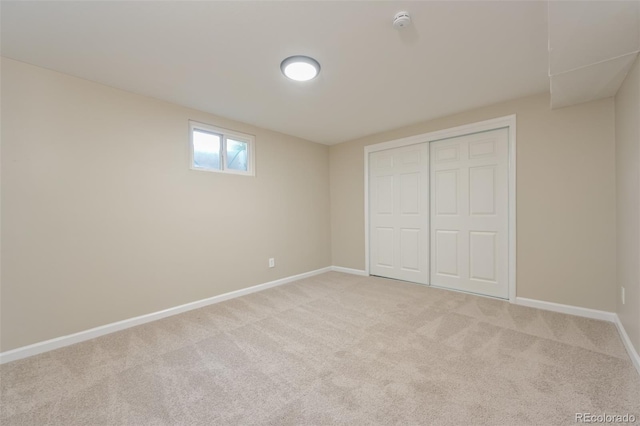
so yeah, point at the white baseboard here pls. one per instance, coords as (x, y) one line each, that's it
(566, 309)
(349, 271)
(59, 342)
(588, 313)
(633, 354)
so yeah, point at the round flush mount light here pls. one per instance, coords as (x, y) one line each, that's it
(300, 68)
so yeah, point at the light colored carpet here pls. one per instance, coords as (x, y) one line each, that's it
(333, 349)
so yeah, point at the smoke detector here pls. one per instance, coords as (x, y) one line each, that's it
(401, 20)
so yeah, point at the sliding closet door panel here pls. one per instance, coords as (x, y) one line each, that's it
(399, 213)
(469, 213)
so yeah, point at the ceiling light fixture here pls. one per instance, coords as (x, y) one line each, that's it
(300, 68)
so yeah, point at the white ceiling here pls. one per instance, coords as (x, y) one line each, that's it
(592, 46)
(223, 57)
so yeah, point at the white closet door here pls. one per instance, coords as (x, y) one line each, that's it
(399, 213)
(469, 213)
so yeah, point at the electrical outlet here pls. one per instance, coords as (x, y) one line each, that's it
(622, 294)
(272, 262)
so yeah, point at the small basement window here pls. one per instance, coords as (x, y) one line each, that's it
(215, 149)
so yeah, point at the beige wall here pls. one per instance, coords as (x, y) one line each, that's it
(102, 220)
(627, 106)
(565, 198)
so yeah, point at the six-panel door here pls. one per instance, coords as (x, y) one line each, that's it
(399, 213)
(469, 213)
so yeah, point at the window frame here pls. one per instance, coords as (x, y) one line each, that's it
(224, 135)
